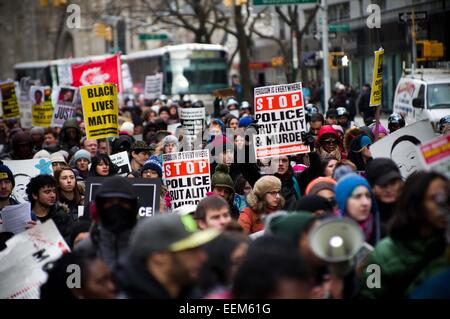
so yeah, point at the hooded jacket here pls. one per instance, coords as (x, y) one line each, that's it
(63, 142)
(339, 152)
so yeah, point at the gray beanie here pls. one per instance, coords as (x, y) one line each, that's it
(170, 139)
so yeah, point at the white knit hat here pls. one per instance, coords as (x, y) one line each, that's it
(127, 127)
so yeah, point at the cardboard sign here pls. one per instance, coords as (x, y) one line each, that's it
(64, 105)
(435, 154)
(26, 117)
(123, 162)
(100, 109)
(8, 100)
(23, 93)
(23, 171)
(153, 86)
(186, 175)
(21, 263)
(280, 112)
(401, 146)
(42, 108)
(377, 79)
(148, 191)
(193, 120)
(98, 72)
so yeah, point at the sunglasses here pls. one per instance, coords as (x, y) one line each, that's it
(330, 142)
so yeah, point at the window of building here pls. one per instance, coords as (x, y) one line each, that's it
(338, 11)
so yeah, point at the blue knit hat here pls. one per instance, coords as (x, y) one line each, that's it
(346, 186)
(153, 163)
(245, 121)
(82, 154)
(219, 122)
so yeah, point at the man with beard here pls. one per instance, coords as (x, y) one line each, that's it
(165, 259)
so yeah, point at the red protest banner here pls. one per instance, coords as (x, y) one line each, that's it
(104, 71)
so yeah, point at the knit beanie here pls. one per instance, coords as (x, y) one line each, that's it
(320, 183)
(264, 185)
(345, 188)
(42, 154)
(292, 225)
(5, 173)
(82, 154)
(57, 158)
(153, 163)
(37, 130)
(222, 178)
(170, 139)
(127, 127)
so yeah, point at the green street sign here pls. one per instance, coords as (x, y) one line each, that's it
(344, 27)
(149, 36)
(279, 2)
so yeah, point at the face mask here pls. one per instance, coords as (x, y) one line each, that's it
(117, 219)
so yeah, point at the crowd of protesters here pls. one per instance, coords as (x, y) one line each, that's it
(250, 237)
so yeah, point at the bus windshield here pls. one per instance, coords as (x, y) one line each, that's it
(195, 75)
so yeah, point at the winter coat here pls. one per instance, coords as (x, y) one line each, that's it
(105, 244)
(62, 219)
(135, 282)
(400, 263)
(250, 221)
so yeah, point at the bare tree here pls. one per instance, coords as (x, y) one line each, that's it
(191, 15)
(291, 19)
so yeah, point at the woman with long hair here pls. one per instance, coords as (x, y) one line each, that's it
(416, 236)
(68, 191)
(102, 166)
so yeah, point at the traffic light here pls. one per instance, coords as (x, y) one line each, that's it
(103, 31)
(336, 59)
(429, 50)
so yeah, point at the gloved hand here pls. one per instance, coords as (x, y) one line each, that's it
(308, 140)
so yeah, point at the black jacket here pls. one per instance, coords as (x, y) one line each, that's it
(135, 282)
(62, 219)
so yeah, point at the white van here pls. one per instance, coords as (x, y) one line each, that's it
(424, 94)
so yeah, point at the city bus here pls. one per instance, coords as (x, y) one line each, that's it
(193, 69)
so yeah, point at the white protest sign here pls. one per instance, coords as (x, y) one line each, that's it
(401, 146)
(21, 273)
(153, 86)
(186, 175)
(172, 128)
(23, 89)
(23, 171)
(280, 112)
(64, 105)
(435, 154)
(15, 217)
(192, 120)
(123, 162)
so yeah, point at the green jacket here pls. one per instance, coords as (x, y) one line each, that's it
(400, 264)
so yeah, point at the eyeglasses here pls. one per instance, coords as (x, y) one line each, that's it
(330, 142)
(274, 193)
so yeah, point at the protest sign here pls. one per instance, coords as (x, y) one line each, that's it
(435, 154)
(21, 272)
(98, 72)
(280, 113)
(64, 105)
(148, 191)
(100, 109)
(377, 79)
(186, 175)
(123, 162)
(15, 217)
(193, 120)
(153, 86)
(400, 146)
(23, 94)
(10, 107)
(25, 114)
(42, 108)
(23, 171)
(172, 128)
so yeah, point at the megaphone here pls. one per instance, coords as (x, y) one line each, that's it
(337, 240)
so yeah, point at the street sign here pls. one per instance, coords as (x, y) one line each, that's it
(150, 36)
(343, 27)
(279, 2)
(405, 17)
